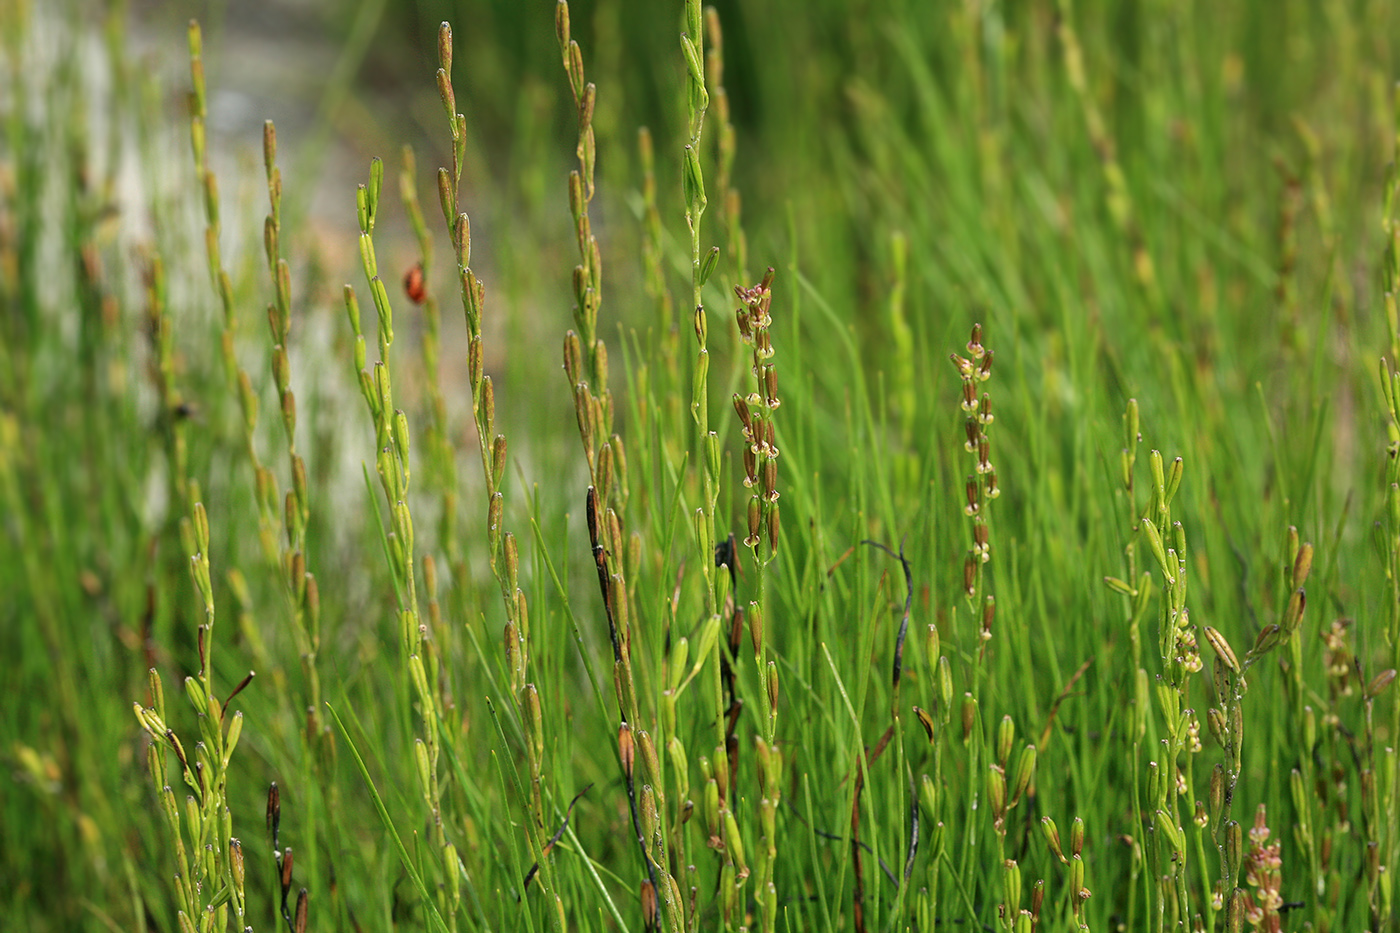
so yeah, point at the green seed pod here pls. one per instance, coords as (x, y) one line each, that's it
(157, 688)
(733, 842)
(1011, 887)
(1174, 835)
(1302, 565)
(720, 762)
(1301, 800)
(772, 692)
(425, 770)
(195, 692)
(708, 264)
(675, 751)
(376, 184)
(945, 687)
(996, 791)
(650, 762)
(928, 795)
(535, 720)
(773, 771)
(1006, 734)
(1140, 702)
(193, 816)
(1293, 612)
(1219, 729)
(1154, 543)
(1234, 850)
(1052, 838)
(235, 730)
(1217, 794)
(651, 820)
(679, 652)
(453, 868)
(512, 554)
(1174, 479)
(1025, 770)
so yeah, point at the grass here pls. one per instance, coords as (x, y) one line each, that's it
(771, 620)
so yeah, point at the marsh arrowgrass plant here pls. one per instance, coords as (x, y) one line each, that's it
(1123, 658)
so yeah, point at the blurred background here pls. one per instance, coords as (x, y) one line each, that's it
(1177, 200)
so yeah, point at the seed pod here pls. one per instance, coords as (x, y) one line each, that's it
(626, 749)
(1052, 838)
(1234, 849)
(235, 852)
(535, 725)
(1006, 734)
(675, 751)
(996, 791)
(928, 795)
(650, 762)
(772, 691)
(1025, 770)
(454, 873)
(651, 819)
(286, 878)
(1302, 565)
(969, 715)
(926, 721)
(732, 840)
(650, 912)
(720, 763)
(1011, 887)
(1379, 683)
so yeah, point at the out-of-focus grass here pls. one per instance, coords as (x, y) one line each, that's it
(1185, 206)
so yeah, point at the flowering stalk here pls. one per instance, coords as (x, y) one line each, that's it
(981, 487)
(1263, 872)
(501, 544)
(761, 477)
(209, 881)
(299, 585)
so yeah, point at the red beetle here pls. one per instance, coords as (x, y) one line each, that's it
(414, 284)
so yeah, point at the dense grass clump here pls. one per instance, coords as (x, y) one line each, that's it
(889, 467)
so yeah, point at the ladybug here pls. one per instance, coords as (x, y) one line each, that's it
(414, 284)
